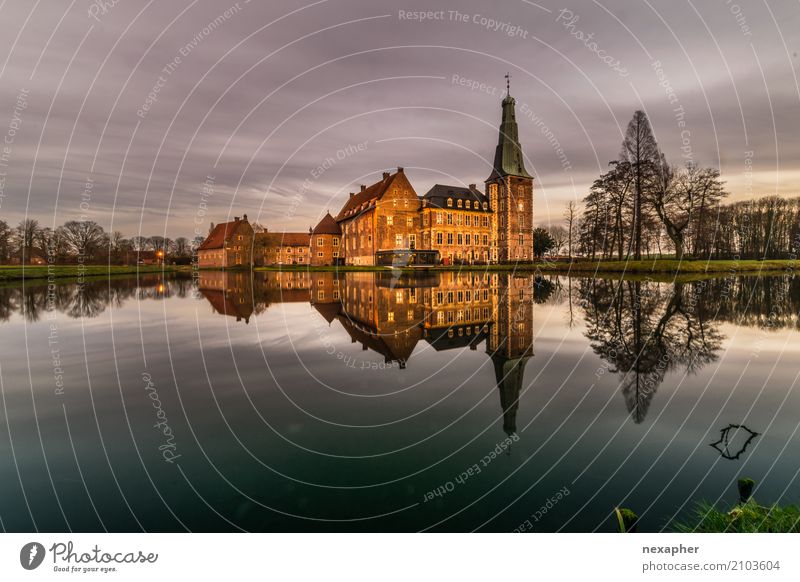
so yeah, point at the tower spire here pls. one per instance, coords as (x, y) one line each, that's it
(508, 155)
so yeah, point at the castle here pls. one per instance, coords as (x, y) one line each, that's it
(387, 223)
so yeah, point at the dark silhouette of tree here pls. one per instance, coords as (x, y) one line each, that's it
(639, 149)
(542, 242)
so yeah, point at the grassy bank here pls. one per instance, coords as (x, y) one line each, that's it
(748, 517)
(667, 266)
(33, 272)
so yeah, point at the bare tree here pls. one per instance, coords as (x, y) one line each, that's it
(559, 235)
(5, 241)
(25, 237)
(182, 246)
(83, 237)
(571, 218)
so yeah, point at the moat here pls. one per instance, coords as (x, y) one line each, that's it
(369, 401)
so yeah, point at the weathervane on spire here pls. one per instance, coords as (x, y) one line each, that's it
(508, 83)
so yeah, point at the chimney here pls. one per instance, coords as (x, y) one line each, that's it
(244, 217)
(236, 219)
(399, 170)
(472, 187)
(386, 175)
(351, 194)
(363, 187)
(310, 231)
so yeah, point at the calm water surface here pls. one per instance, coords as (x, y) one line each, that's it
(324, 402)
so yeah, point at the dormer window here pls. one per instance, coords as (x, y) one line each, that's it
(484, 205)
(459, 203)
(469, 204)
(450, 202)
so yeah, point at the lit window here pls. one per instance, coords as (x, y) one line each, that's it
(469, 204)
(390, 220)
(450, 202)
(398, 241)
(409, 222)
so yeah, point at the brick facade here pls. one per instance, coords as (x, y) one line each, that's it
(464, 225)
(228, 244)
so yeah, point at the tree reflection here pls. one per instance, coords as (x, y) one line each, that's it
(644, 329)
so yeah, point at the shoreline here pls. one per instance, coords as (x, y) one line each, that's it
(581, 268)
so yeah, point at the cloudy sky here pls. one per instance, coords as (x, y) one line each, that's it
(159, 117)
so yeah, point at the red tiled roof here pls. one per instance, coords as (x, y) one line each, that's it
(364, 199)
(217, 237)
(327, 226)
(285, 239)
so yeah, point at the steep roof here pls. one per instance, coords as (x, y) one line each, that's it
(220, 233)
(329, 311)
(327, 226)
(357, 203)
(284, 239)
(508, 155)
(438, 195)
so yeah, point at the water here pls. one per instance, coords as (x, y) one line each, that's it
(317, 402)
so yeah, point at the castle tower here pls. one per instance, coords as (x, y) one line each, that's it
(510, 191)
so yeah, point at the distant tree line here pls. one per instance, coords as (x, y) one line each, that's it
(84, 241)
(644, 206)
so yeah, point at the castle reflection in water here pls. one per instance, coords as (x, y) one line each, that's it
(641, 330)
(391, 313)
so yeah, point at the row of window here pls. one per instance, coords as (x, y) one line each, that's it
(458, 218)
(469, 204)
(287, 250)
(462, 315)
(461, 239)
(460, 296)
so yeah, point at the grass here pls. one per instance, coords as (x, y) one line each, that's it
(748, 517)
(674, 266)
(18, 272)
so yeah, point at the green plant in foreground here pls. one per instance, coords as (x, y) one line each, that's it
(746, 517)
(627, 520)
